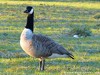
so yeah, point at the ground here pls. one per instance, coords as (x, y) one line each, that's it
(55, 20)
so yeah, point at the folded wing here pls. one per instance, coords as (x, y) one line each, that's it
(45, 47)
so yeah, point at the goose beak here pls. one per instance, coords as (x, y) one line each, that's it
(25, 11)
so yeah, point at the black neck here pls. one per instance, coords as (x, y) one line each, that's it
(30, 22)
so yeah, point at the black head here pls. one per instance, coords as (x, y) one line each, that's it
(29, 10)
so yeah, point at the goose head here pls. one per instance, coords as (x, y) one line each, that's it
(29, 10)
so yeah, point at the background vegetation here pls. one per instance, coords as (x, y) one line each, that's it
(57, 19)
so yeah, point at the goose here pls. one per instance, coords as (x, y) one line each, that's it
(40, 46)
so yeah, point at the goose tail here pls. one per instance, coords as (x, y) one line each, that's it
(70, 55)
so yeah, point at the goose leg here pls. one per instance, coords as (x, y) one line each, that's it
(42, 64)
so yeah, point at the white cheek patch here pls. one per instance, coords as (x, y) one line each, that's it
(31, 11)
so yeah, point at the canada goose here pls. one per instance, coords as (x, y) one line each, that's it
(37, 45)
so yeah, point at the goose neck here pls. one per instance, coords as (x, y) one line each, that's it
(30, 22)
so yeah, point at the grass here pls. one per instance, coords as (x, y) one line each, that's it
(54, 19)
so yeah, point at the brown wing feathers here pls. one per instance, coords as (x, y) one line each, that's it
(47, 46)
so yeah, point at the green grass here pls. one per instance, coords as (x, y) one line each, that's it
(54, 19)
